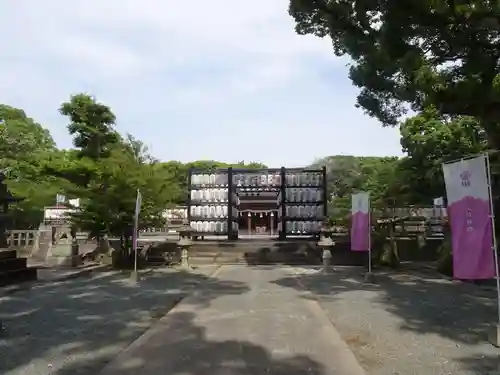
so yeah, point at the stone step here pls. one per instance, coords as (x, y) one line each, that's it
(204, 256)
(8, 254)
(261, 262)
(228, 260)
(18, 276)
(198, 262)
(268, 252)
(156, 263)
(12, 264)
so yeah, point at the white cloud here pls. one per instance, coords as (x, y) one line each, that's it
(115, 36)
(106, 58)
(170, 67)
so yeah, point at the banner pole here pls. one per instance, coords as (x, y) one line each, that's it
(136, 225)
(492, 218)
(134, 245)
(369, 235)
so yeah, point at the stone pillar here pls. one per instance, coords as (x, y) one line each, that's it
(44, 245)
(494, 335)
(65, 250)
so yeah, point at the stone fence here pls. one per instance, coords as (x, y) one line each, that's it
(24, 241)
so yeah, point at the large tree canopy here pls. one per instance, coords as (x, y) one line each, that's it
(350, 174)
(21, 138)
(24, 145)
(430, 140)
(91, 125)
(415, 52)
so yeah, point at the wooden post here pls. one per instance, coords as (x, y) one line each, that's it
(282, 234)
(230, 233)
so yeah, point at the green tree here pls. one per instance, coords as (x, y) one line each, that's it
(106, 170)
(349, 174)
(383, 181)
(414, 54)
(21, 138)
(120, 175)
(91, 125)
(429, 140)
(86, 168)
(24, 147)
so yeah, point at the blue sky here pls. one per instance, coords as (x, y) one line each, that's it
(227, 80)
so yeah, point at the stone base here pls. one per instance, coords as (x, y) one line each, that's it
(63, 255)
(327, 269)
(63, 261)
(186, 266)
(134, 276)
(369, 277)
(494, 335)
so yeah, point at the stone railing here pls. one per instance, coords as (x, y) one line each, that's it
(25, 241)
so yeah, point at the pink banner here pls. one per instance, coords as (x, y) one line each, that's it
(360, 222)
(471, 239)
(469, 216)
(360, 240)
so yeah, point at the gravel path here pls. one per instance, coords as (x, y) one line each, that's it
(77, 326)
(407, 323)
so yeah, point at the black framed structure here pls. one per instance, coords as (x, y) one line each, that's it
(227, 202)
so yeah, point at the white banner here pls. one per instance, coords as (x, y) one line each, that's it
(138, 203)
(466, 178)
(360, 203)
(469, 214)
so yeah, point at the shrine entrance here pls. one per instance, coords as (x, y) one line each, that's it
(264, 223)
(258, 211)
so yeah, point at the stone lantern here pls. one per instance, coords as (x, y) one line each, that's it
(185, 244)
(325, 243)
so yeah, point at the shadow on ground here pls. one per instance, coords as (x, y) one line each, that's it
(426, 304)
(412, 302)
(190, 352)
(81, 324)
(484, 365)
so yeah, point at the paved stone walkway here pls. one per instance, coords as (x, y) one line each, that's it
(52, 274)
(77, 326)
(264, 329)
